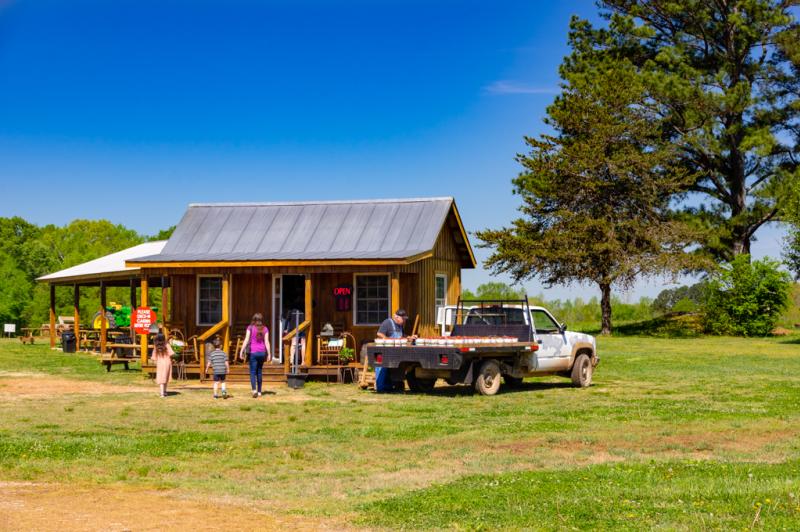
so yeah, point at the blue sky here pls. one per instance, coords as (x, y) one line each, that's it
(131, 110)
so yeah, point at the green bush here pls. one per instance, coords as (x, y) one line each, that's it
(746, 298)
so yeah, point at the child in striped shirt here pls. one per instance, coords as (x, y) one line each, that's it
(218, 359)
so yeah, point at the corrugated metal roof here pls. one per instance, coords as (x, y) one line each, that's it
(323, 230)
(107, 265)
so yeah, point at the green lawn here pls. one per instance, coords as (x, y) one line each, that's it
(698, 433)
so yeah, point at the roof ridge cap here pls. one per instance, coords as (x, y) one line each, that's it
(322, 202)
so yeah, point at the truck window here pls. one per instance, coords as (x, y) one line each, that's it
(495, 316)
(543, 323)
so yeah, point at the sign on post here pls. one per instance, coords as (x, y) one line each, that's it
(10, 328)
(142, 319)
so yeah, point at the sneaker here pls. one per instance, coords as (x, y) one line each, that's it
(259, 394)
(216, 396)
(255, 394)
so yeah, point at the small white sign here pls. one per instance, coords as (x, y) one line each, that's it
(10, 328)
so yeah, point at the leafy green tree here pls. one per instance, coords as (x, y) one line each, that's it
(596, 193)
(746, 299)
(494, 290)
(725, 77)
(692, 296)
(791, 252)
(164, 234)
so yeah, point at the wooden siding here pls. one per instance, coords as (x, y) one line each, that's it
(251, 291)
(445, 260)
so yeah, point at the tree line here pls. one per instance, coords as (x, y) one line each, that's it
(674, 141)
(28, 251)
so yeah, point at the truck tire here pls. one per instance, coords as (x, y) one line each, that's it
(416, 384)
(488, 380)
(512, 382)
(582, 371)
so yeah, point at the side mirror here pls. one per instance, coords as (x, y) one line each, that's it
(562, 328)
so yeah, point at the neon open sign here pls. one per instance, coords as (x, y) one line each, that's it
(343, 295)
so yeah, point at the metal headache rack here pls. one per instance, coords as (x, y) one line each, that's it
(494, 317)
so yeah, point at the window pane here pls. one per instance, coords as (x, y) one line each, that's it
(542, 322)
(372, 299)
(209, 302)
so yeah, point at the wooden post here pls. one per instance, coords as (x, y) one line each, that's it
(395, 292)
(133, 308)
(164, 305)
(226, 312)
(52, 316)
(309, 310)
(103, 324)
(143, 337)
(76, 301)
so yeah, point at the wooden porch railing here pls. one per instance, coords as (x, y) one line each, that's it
(288, 337)
(204, 337)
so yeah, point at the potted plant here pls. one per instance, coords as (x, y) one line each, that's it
(347, 355)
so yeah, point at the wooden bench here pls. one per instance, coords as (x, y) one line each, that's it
(110, 361)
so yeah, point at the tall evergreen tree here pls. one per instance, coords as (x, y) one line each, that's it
(725, 76)
(596, 193)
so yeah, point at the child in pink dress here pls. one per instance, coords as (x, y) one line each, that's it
(162, 354)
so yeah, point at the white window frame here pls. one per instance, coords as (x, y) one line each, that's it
(355, 296)
(197, 297)
(436, 300)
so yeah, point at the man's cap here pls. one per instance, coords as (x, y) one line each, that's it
(402, 313)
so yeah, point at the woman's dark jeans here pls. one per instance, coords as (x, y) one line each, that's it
(257, 370)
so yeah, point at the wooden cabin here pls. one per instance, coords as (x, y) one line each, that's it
(349, 264)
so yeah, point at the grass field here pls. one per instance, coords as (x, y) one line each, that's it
(696, 433)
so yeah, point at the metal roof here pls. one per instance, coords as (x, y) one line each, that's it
(112, 265)
(321, 230)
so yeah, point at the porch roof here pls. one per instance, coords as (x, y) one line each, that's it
(389, 230)
(107, 267)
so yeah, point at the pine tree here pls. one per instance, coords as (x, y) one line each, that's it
(596, 193)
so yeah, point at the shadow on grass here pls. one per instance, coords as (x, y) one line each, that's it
(464, 390)
(667, 326)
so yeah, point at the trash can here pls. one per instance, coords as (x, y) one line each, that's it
(68, 342)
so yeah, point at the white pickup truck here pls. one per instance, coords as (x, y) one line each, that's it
(490, 339)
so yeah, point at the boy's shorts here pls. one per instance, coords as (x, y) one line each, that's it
(219, 378)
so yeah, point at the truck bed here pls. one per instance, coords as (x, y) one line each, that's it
(443, 357)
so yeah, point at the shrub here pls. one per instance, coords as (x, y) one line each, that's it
(746, 299)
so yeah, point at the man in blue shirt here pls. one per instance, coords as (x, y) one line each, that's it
(390, 328)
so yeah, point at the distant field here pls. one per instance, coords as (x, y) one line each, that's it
(697, 433)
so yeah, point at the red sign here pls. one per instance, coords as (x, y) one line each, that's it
(342, 296)
(142, 319)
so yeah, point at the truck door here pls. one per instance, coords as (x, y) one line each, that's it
(554, 351)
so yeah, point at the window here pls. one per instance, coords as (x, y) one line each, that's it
(543, 323)
(209, 300)
(372, 299)
(441, 291)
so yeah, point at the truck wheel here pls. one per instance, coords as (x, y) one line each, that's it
(512, 382)
(488, 381)
(416, 384)
(582, 371)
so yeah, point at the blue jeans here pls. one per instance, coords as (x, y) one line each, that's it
(257, 370)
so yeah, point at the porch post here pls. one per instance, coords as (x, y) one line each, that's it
(308, 357)
(52, 316)
(143, 337)
(395, 292)
(103, 325)
(226, 312)
(76, 301)
(133, 308)
(164, 305)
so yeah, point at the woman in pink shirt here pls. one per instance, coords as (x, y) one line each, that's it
(257, 337)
